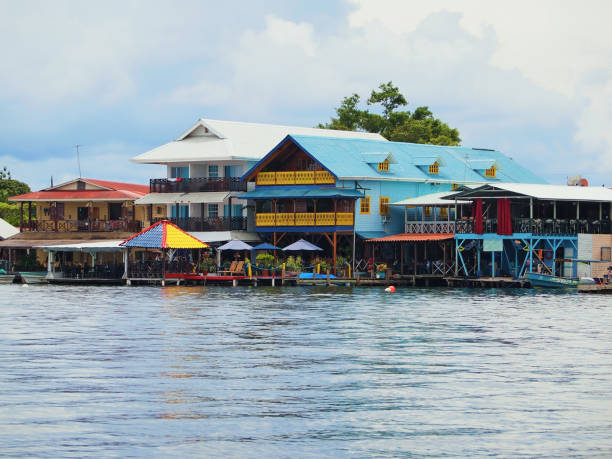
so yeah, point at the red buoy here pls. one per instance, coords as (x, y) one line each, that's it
(390, 289)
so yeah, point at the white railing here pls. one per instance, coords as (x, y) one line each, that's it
(430, 227)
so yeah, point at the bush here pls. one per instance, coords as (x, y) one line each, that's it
(265, 259)
(294, 263)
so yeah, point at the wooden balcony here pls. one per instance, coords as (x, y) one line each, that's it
(540, 226)
(197, 184)
(61, 226)
(295, 178)
(304, 219)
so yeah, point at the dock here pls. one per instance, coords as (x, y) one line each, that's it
(487, 282)
(595, 288)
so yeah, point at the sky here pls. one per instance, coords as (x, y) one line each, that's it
(531, 79)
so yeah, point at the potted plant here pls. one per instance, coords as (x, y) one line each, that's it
(207, 265)
(380, 270)
(266, 260)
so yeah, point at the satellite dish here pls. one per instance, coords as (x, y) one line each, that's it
(574, 180)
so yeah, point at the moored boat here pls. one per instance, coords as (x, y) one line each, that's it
(32, 277)
(548, 281)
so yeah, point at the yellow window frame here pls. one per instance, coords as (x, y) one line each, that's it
(364, 205)
(383, 205)
(490, 172)
(384, 166)
(434, 168)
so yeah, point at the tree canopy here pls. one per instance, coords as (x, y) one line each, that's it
(8, 188)
(394, 124)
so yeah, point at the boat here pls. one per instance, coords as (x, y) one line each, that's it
(6, 278)
(32, 277)
(549, 281)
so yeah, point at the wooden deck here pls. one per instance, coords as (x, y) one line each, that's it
(487, 282)
(595, 288)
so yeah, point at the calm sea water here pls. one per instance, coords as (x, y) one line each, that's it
(303, 372)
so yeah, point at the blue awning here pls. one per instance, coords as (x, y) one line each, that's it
(277, 192)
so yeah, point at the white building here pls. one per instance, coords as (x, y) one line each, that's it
(204, 166)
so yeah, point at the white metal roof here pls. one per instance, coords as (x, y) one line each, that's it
(98, 246)
(231, 140)
(433, 199)
(7, 230)
(220, 236)
(557, 192)
(182, 198)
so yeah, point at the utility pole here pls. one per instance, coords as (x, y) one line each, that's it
(78, 159)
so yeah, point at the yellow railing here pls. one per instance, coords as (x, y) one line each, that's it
(305, 219)
(295, 178)
(326, 219)
(265, 219)
(266, 178)
(344, 218)
(304, 177)
(324, 177)
(285, 219)
(285, 178)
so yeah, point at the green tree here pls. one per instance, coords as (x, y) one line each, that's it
(419, 126)
(9, 188)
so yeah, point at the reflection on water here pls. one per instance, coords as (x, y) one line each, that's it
(303, 372)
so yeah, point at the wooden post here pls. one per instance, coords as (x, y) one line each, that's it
(30, 214)
(401, 258)
(163, 265)
(415, 258)
(21, 216)
(328, 283)
(335, 245)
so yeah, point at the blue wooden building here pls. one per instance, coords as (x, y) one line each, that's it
(334, 188)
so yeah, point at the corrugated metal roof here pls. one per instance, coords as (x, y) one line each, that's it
(164, 235)
(233, 140)
(539, 191)
(287, 192)
(433, 199)
(341, 156)
(182, 198)
(85, 246)
(413, 237)
(77, 195)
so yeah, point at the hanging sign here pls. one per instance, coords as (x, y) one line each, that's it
(492, 245)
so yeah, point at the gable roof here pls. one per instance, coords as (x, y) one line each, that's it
(209, 140)
(104, 190)
(538, 191)
(343, 158)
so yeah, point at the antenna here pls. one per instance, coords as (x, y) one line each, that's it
(78, 159)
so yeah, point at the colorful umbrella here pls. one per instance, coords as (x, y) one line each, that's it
(164, 235)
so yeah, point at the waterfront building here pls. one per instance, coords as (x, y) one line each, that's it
(327, 188)
(204, 166)
(514, 228)
(79, 210)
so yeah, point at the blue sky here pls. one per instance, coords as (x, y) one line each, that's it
(532, 79)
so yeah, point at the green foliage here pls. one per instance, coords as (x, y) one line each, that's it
(208, 265)
(294, 263)
(8, 188)
(10, 213)
(419, 126)
(324, 264)
(265, 259)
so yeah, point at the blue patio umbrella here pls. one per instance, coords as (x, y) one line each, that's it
(302, 245)
(265, 246)
(235, 244)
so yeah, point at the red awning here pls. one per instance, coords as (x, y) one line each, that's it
(413, 237)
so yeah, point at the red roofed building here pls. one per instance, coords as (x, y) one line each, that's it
(84, 205)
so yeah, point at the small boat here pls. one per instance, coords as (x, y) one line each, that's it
(32, 277)
(548, 281)
(6, 278)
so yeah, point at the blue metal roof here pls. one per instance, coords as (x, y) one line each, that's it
(345, 159)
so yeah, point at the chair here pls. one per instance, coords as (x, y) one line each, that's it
(231, 269)
(239, 269)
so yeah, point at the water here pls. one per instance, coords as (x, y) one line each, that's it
(303, 372)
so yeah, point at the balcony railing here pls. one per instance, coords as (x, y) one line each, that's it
(430, 227)
(295, 178)
(304, 219)
(191, 185)
(126, 226)
(540, 226)
(209, 223)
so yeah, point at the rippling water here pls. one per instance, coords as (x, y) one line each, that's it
(303, 372)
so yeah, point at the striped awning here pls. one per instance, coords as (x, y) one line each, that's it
(413, 237)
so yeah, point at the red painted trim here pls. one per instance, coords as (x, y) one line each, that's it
(164, 245)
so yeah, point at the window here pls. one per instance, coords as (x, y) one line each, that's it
(183, 212)
(213, 210)
(80, 185)
(606, 254)
(428, 211)
(384, 166)
(490, 172)
(179, 172)
(364, 205)
(383, 205)
(444, 212)
(433, 169)
(213, 171)
(455, 186)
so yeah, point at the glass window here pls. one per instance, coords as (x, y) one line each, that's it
(383, 205)
(364, 205)
(213, 171)
(434, 168)
(384, 166)
(183, 211)
(179, 172)
(213, 210)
